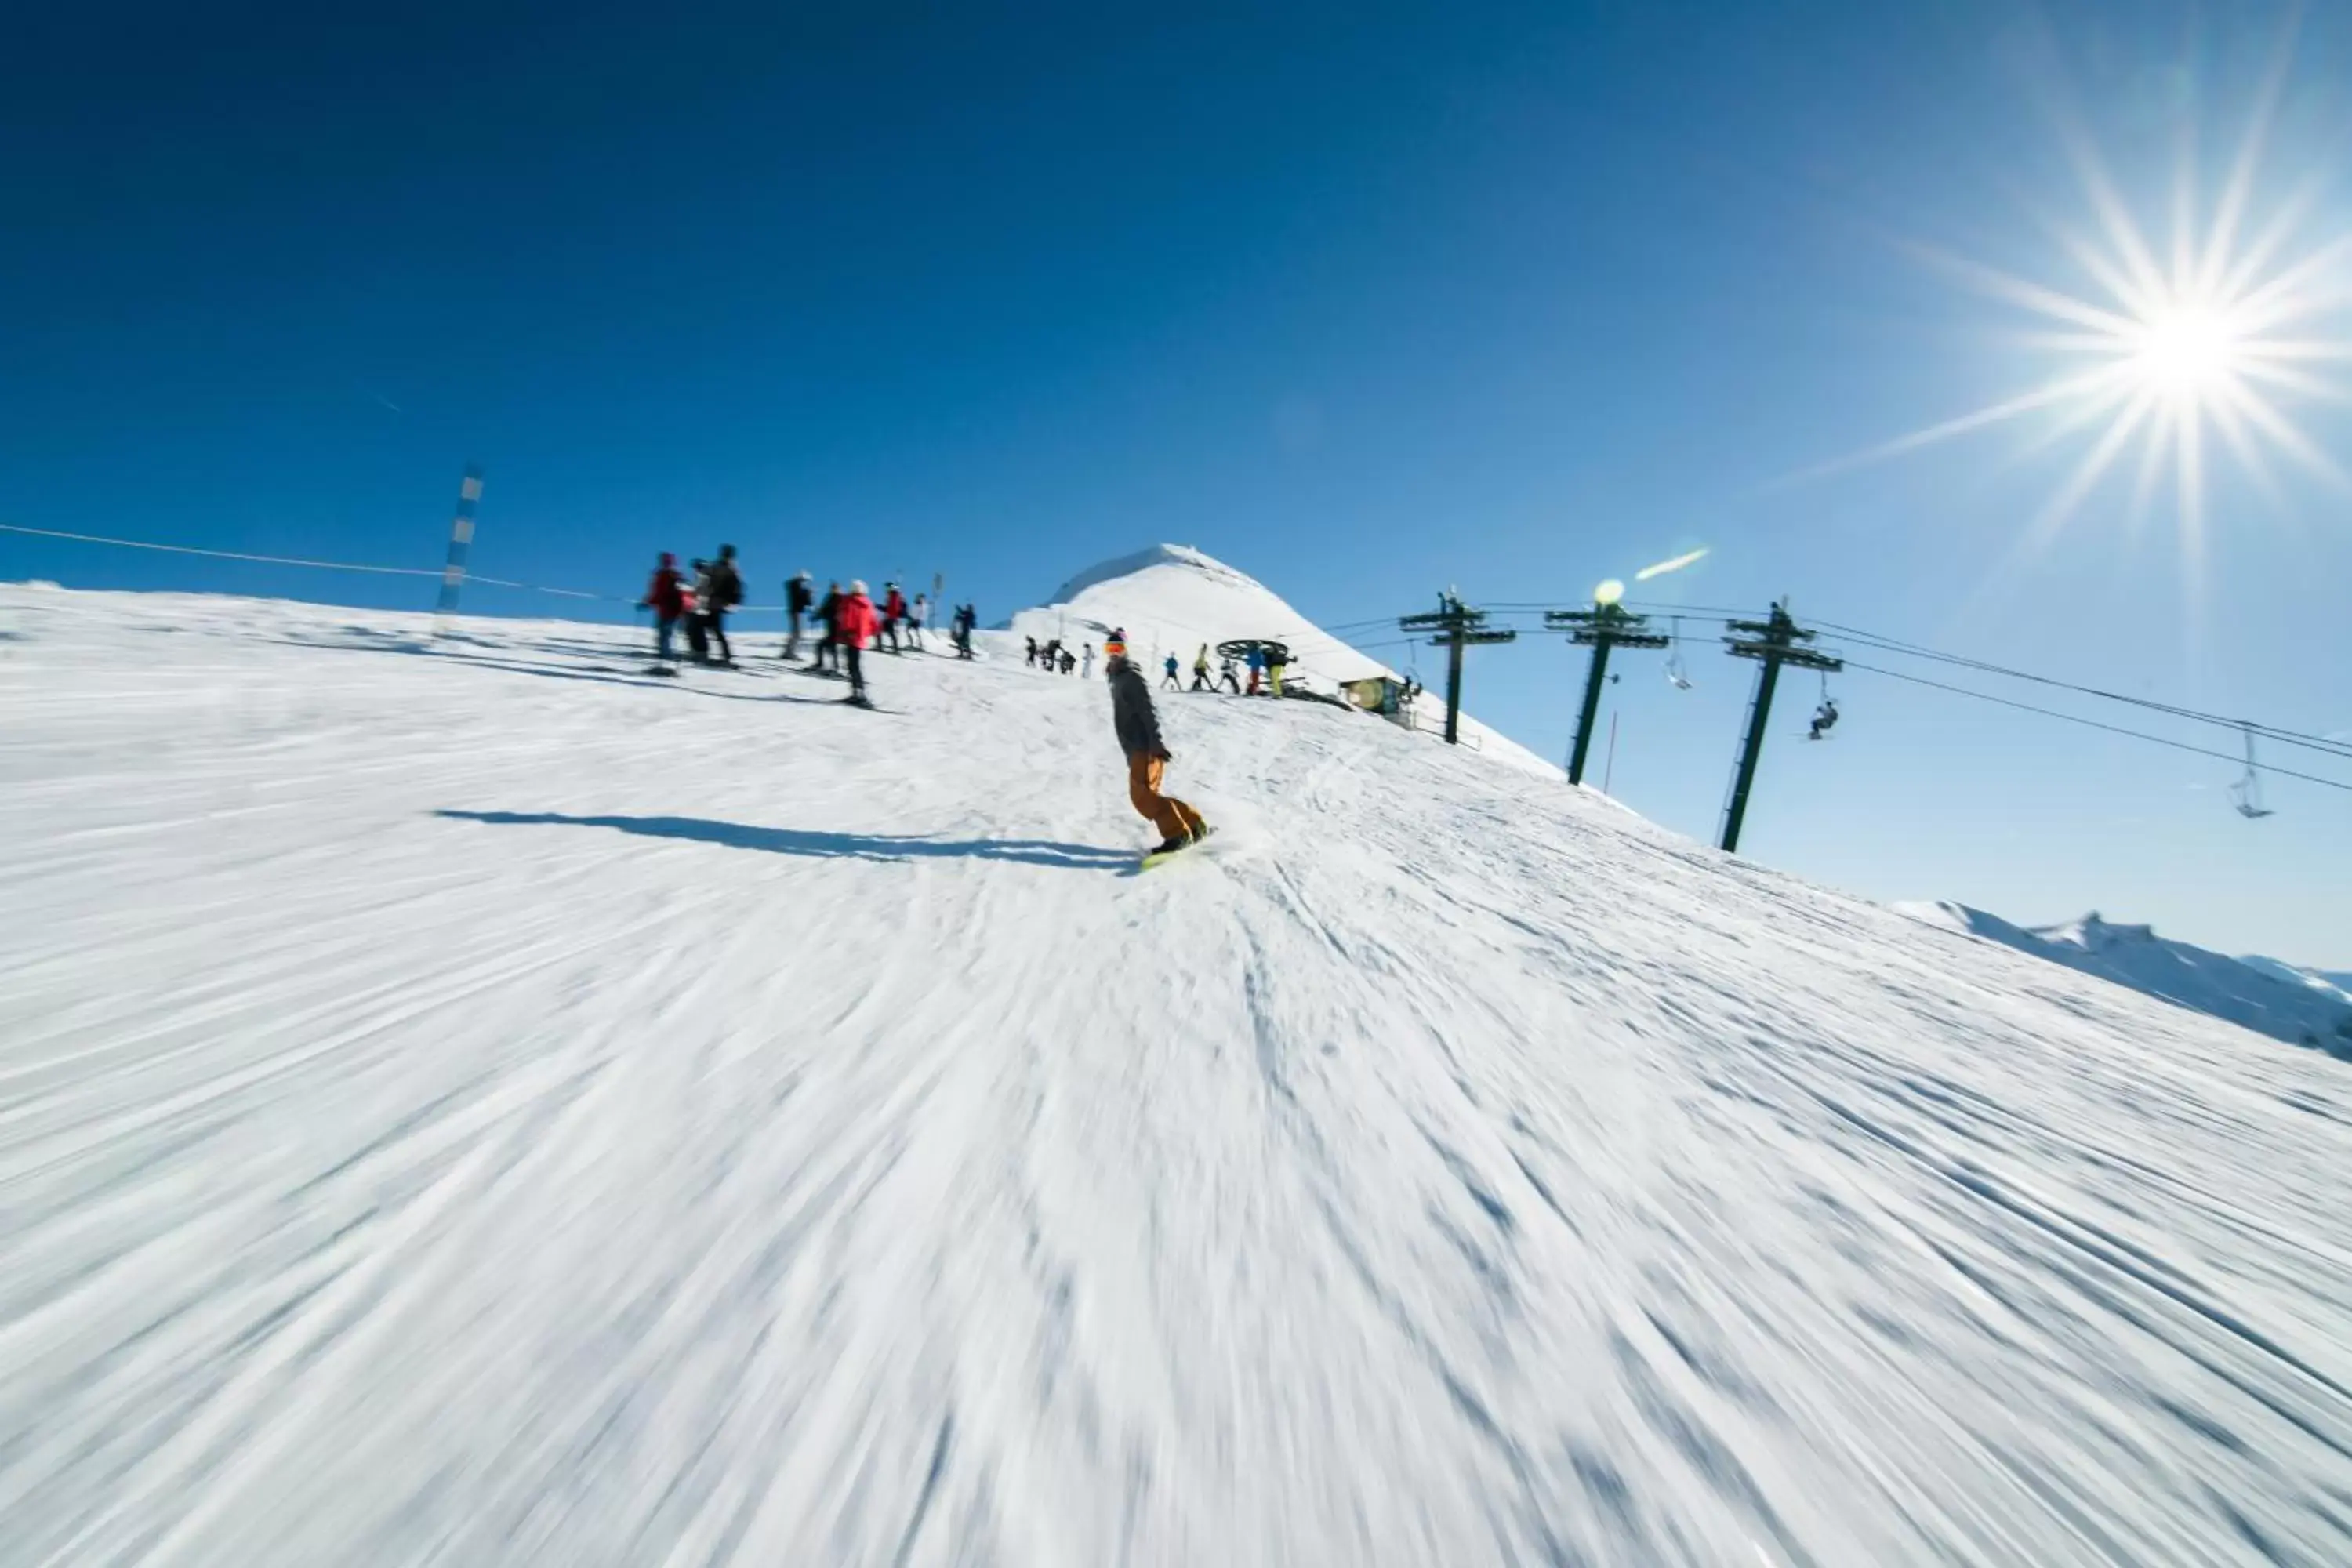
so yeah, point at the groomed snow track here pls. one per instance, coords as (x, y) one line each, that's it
(467, 1102)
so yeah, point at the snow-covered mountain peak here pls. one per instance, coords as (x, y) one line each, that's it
(1177, 555)
(2300, 1006)
(1174, 599)
(2093, 935)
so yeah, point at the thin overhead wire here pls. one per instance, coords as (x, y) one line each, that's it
(1716, 614)
(298, 561)
(2093, 723)
(2288, 737)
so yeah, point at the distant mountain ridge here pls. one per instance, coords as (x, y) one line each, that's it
(2302, 1006)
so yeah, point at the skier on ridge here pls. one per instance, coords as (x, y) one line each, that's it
(798, 598)
(856, 625)
(696, 615)
(828, 636)
(726, 592)
(1147, 757)
(666, 597)
(1168, 678)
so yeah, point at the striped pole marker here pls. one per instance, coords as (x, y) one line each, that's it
(461, 540)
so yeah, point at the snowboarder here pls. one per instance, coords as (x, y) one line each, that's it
(1147, 758)
(855, 625)
(894, 610)
(1228, 678)
(666, 597)
(1201, 668)
(1169, 678)
(828, 630)
(726, 593)
(798, 596)
(1087, 669)
(1824, 719)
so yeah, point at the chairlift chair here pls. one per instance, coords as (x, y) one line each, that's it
(1825, 717)
(1677, 674)
(2246, 794)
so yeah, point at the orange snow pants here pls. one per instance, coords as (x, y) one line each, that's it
(1167, 814)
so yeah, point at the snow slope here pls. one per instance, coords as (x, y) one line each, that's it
(470, 1103)
(1172, 599)
(2262, 994)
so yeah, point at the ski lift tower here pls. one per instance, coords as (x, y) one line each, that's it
(1774, 642)
(1457, 627)
(1605, 626)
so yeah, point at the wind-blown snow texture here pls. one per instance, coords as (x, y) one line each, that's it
(474, 1104)
(2299, 1006)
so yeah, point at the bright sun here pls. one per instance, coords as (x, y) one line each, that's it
(2189, 352)
(2163, 352)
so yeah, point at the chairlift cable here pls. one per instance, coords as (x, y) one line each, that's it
(2093, 723)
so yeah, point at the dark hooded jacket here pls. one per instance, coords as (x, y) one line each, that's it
(1130, 710)
(725, 586)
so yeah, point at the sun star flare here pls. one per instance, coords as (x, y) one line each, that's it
(2158, 356)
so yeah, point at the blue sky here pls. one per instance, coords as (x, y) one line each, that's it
(1366, 302)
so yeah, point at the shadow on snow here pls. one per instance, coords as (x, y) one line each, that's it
(823, 846)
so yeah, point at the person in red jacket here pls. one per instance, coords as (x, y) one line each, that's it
(854, 627)
(894, 610)
(666, 597)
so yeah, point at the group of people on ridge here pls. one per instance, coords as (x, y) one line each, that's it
(701, 605)
(1263, 669)
(847, 623)
(1055, 659)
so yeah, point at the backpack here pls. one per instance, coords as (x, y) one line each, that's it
(719, 586)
